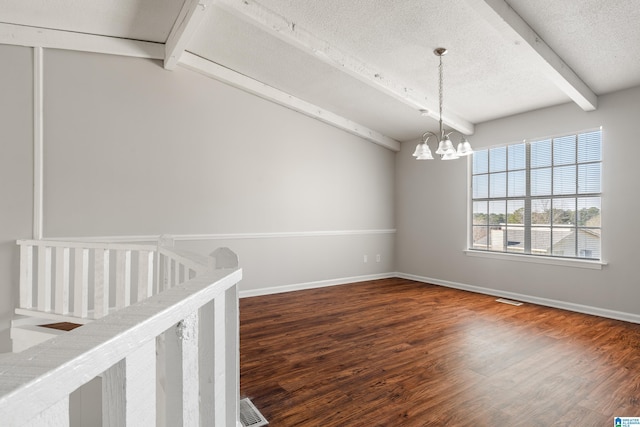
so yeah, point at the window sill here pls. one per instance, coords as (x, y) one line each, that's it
(578, 263)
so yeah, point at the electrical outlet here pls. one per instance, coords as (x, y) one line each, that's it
(378, 258)
(366, 258)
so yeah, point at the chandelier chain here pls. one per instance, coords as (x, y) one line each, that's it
(441, 93)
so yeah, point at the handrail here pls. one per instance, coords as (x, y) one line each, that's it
(35, 384)
(87, 245)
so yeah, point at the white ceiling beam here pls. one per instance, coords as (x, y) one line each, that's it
(507, 21)
(247, 84)
(186, 25)
(294, 35)
(21, 35)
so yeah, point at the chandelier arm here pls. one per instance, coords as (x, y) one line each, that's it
(427, 135)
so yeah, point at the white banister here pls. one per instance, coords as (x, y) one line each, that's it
(102, 277)
(196, 360)
(65, 268)
(122, 345)
(87, 245)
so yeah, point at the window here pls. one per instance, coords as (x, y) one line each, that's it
(540, 197)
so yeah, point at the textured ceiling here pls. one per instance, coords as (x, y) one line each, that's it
(328, 51)
(599, 40)
(265, 58)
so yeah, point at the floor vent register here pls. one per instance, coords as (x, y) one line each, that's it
(508, 301)
(249, 414)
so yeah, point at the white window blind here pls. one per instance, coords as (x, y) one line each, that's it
(541, 197)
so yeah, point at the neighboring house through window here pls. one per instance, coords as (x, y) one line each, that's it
(540, 197)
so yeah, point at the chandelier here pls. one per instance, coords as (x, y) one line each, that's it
(445, 146)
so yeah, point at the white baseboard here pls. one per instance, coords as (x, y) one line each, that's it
(586, 309)
(579, 308)
(312, 285)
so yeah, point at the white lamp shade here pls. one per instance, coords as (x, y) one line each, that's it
(418, 150)
(422, 152)
(425, 154)
(464, 148)
(445, 146)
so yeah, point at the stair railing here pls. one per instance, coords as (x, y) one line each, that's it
(200, 321)
(81, 281)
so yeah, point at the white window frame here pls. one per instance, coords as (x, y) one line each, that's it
(539, 259)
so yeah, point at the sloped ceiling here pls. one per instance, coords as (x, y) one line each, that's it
(365, 65)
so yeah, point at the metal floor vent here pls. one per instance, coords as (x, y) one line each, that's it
(508, 301)
(249, 414)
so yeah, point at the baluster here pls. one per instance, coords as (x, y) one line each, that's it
(62, 280)
(145, 274)
(164, 263)
(182, 378)
(232, 347)
(226, 344)
(157, 285)
(176, 274)
(219, 361)
(123, 279)
(206, 348)
(26, 276)
(166, 283)
(129, 390)
(44, 278)
(100, 283)
(81, 283)
(161, 378)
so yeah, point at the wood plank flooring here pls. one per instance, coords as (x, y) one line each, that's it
(395, 352)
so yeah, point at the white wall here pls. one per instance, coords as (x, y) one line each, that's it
(432, 212)
(16, 171)
(133, 149)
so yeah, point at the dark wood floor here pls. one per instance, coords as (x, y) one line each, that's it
(400, 353)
